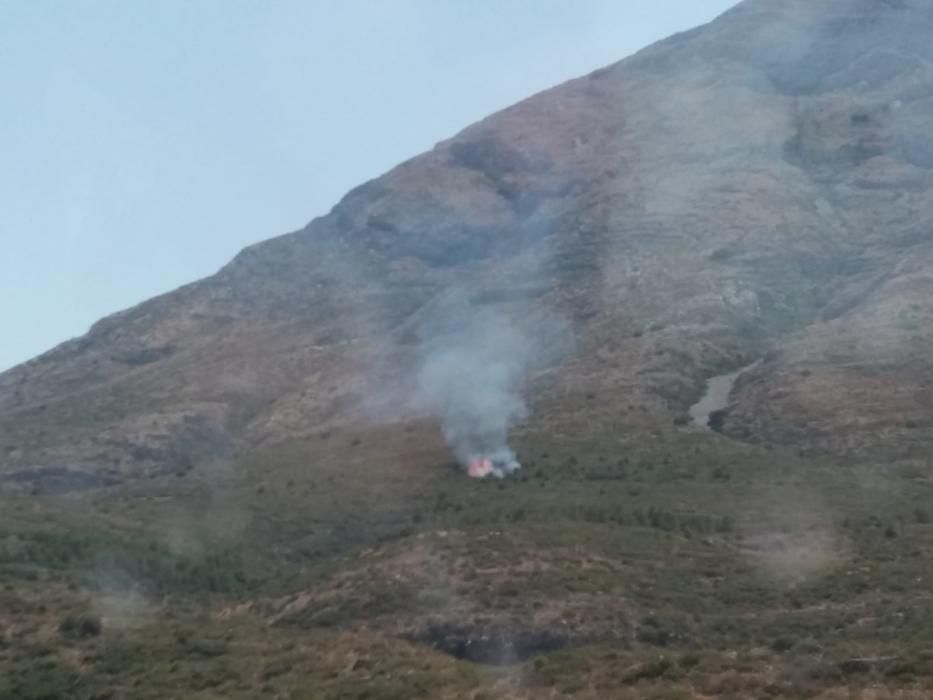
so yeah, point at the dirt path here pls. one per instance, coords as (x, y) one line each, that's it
(716, 398)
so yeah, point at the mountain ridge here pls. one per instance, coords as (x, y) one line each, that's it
(596, 199)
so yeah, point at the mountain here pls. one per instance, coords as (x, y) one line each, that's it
(759, 189)
(759, 184)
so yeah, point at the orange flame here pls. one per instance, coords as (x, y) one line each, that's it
(480, 468)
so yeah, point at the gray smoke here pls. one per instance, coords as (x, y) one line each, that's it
(474, 364)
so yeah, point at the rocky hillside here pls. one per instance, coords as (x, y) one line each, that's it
(757, 187)
(279, 512)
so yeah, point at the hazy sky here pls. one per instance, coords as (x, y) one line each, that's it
(145, 143)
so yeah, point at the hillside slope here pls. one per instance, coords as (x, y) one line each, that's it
(247, 487)
(759, 184)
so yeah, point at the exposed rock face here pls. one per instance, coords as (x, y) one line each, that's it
(760, 184)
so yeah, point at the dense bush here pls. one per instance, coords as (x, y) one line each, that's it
(45, 679)
(80, 626)
(124, 561)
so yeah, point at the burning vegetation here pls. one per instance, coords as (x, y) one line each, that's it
(500, 467)
(473, 366)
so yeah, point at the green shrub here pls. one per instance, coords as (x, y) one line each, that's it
(45, 679)
(80, 626)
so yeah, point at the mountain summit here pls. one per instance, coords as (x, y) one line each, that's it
(756, 188)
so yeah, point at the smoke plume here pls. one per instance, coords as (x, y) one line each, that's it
(474, 363)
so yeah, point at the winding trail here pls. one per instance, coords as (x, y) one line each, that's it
(716, 398)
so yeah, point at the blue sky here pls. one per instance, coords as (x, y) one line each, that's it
(145, 143)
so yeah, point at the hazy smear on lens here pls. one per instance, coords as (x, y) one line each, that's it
(118, 599)
(474, 363)
(123, 609)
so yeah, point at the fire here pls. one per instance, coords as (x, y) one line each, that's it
(480, 468)
(498, 465)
